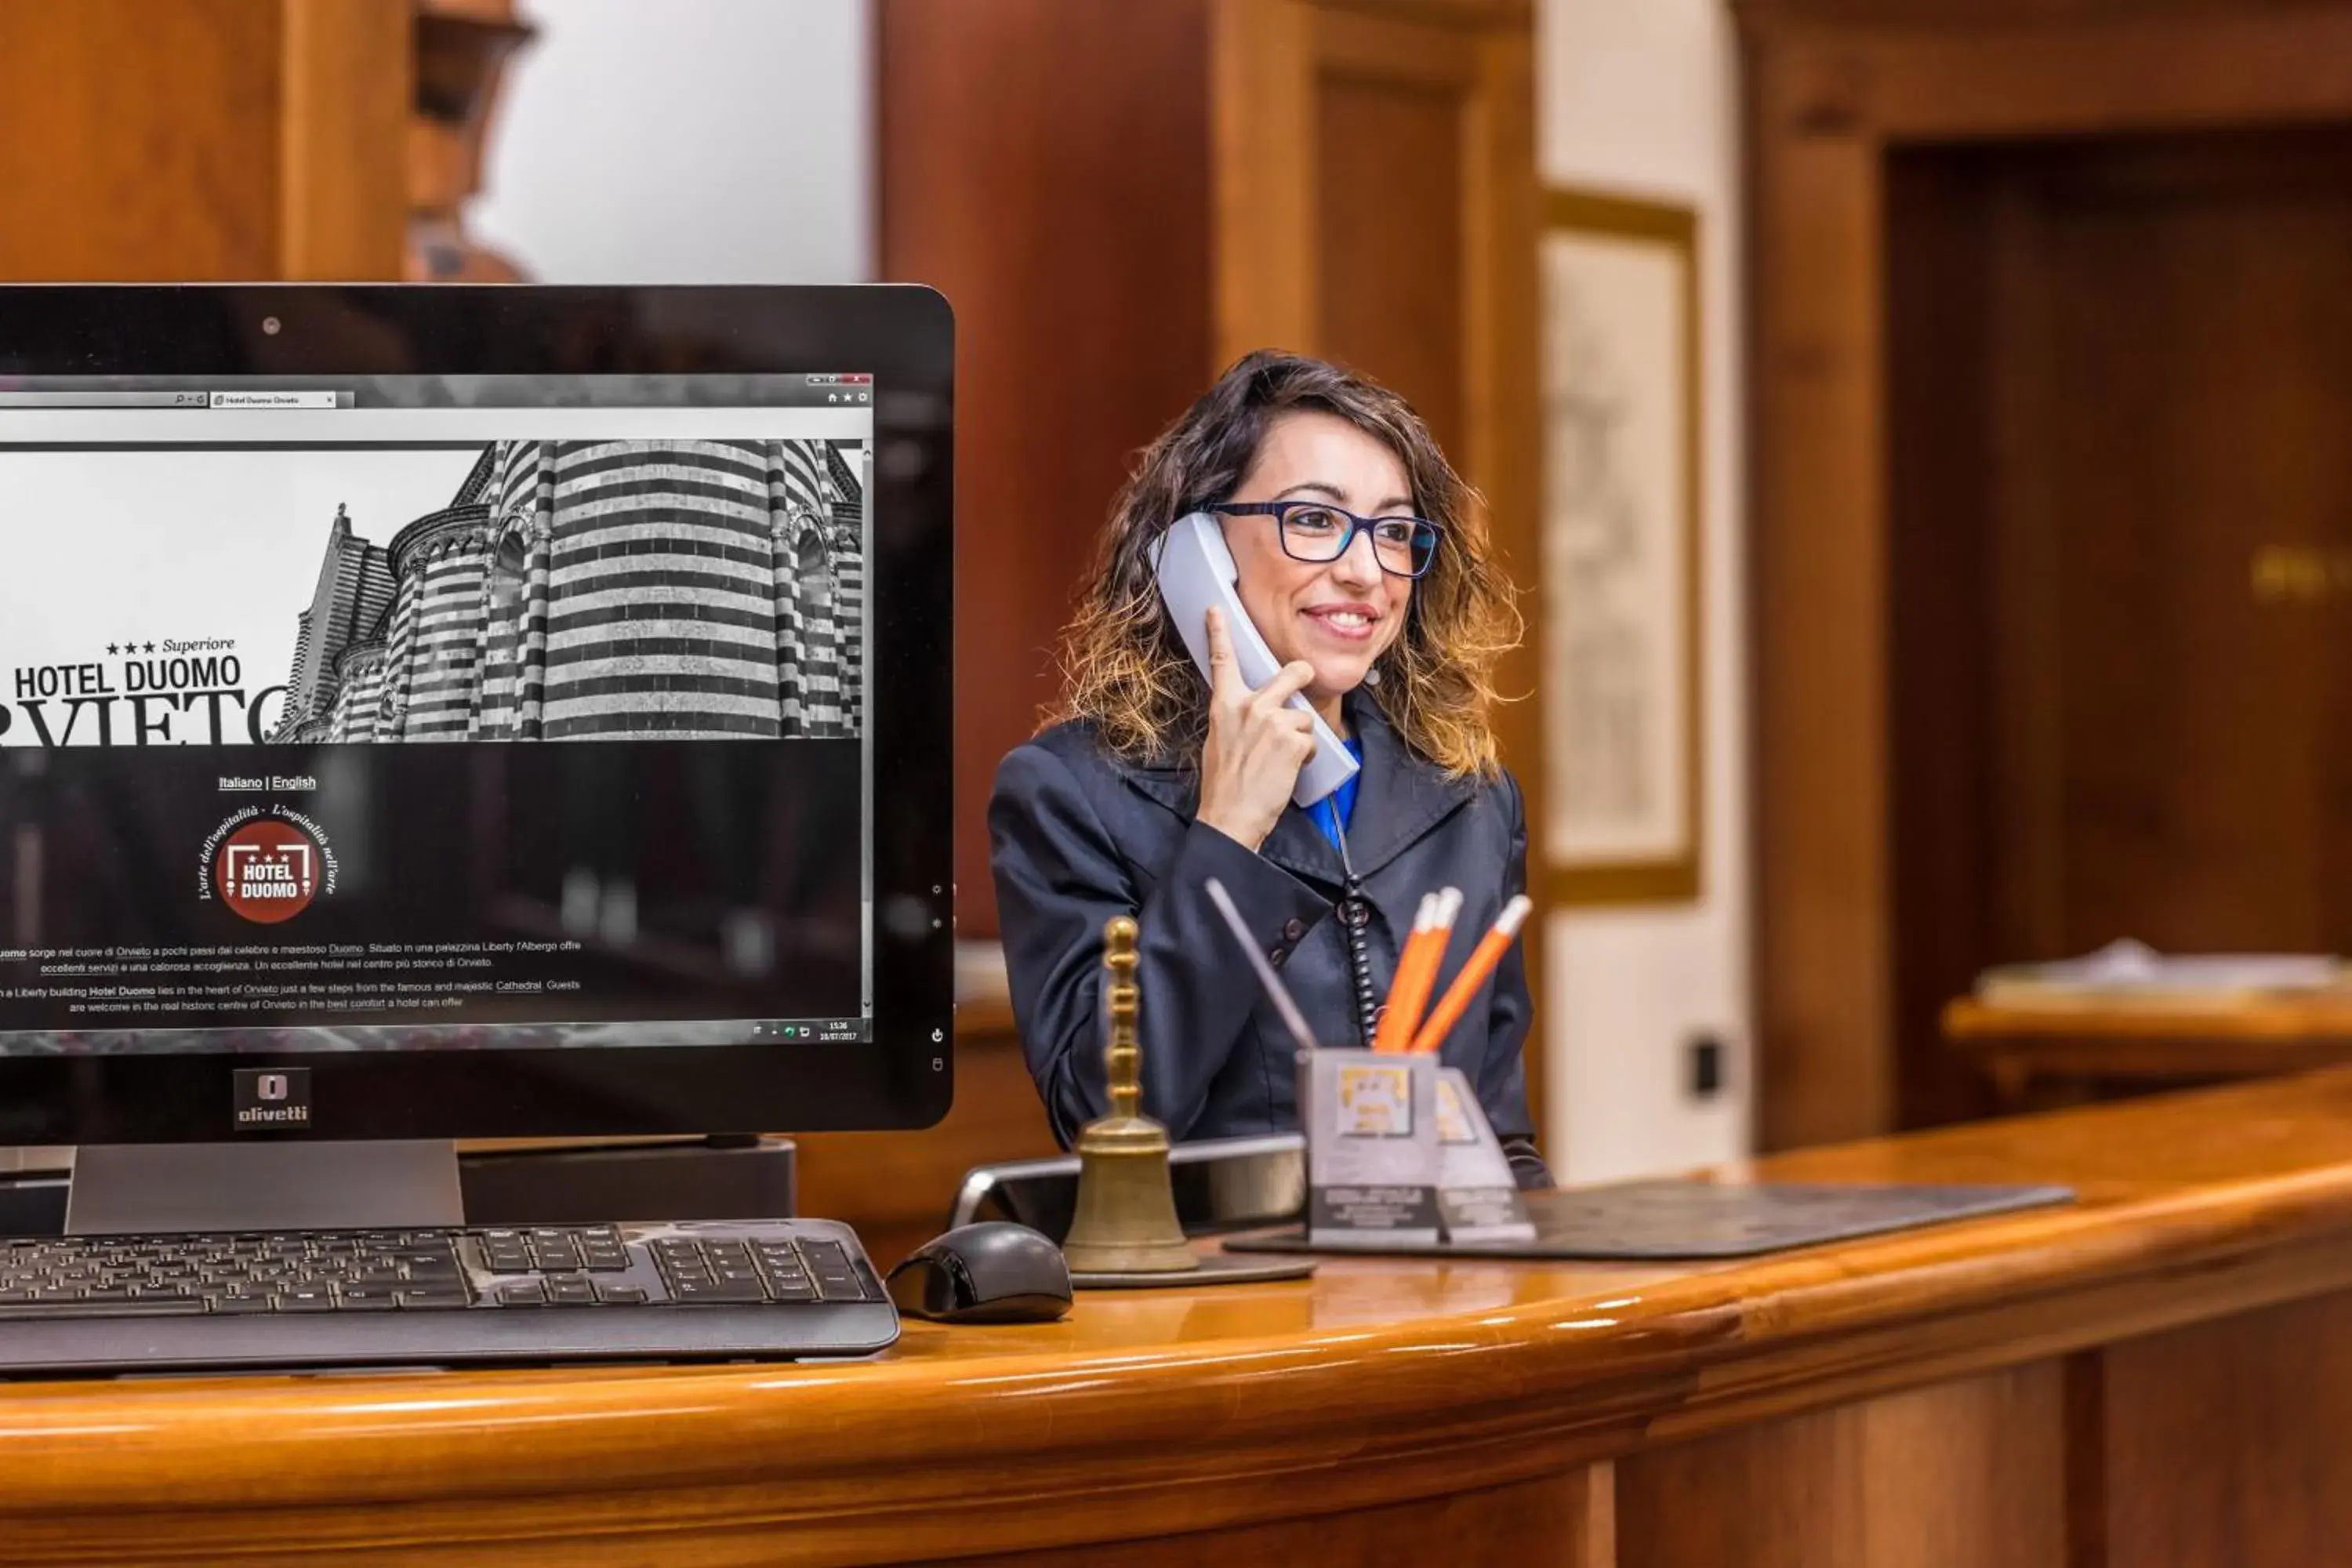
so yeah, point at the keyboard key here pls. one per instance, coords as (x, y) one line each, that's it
(570, 1290)
(693, 1292)
(839, 1287)
(159, 1307)
(530, 1294)
(310, 1299)
(619, 1295)
(434, 1301)
(232, 1305)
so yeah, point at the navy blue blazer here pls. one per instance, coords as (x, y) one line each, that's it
(1078, 836)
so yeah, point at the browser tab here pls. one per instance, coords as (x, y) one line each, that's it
(276, 401)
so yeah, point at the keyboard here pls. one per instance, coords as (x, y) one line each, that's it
(704, 1290)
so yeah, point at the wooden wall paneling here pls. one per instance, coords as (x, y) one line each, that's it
(1393, 163)
(349, 83)
(1266, 245)
(206, 139)
(2118, 74)
(139, 140)
(1971, 14)
(1044, 164)
(1819, 608)
(1552, 1519)
(1969, 1474)
(2231, 1442)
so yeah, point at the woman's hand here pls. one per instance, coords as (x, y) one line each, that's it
(1257, 744)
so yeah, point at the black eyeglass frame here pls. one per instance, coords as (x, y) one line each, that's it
(1280, 511)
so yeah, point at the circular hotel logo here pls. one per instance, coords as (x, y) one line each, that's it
(269, 870)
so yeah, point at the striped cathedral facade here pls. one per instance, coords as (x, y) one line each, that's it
(577, 589)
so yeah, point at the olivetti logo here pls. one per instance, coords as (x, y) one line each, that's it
(272, 1100)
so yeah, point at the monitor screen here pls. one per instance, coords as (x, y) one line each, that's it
(514, 712)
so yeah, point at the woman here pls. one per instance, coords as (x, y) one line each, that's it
(1364, 568)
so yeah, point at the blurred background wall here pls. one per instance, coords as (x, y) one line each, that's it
(689, 141)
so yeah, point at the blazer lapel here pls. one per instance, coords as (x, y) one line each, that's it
(1399, 799)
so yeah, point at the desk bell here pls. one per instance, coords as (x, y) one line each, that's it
(1126, 1218)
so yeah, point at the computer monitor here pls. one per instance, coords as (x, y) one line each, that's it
(450, 712)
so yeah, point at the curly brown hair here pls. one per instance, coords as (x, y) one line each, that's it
(1124, 668)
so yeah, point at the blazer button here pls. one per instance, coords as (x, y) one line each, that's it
(1275, 955)
(1294, 930)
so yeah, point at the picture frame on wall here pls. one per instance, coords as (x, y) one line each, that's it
(1620, 566)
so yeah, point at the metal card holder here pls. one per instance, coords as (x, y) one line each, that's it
(1399, 1152)
(1372, 1147)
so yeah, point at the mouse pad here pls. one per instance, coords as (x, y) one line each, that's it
(1676, 1218)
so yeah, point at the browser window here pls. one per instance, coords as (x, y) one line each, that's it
(434, 712)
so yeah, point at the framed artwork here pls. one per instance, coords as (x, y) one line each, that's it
(1619, 609)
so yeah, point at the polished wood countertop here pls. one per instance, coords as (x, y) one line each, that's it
(1195, 1408)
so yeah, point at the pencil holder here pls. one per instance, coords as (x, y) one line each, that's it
(1372, 1147)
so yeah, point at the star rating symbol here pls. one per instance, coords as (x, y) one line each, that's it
(151, 647)
(113, 647)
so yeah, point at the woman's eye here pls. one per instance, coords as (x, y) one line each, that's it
(1394, 533)
(1315, 520)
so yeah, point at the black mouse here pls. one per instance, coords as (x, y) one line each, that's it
(993, 1272)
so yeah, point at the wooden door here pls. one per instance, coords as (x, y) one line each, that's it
(2121, 557)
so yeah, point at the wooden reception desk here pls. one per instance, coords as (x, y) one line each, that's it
(2161, 1375)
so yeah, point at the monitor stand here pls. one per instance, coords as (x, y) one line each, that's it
(120, 1189)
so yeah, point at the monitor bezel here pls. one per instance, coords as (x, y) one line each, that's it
(902, 334)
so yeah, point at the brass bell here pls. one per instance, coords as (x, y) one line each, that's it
(1126, 1218)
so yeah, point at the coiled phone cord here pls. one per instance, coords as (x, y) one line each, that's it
(1355, 913)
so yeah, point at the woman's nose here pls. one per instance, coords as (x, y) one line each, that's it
(1359, 565)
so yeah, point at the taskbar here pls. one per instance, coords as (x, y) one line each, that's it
(295, 1039)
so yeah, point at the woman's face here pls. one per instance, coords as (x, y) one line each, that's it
(1338, 616)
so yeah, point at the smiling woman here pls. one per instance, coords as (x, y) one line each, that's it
(1362, 562)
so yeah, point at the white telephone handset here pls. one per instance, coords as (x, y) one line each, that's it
(1195, 571)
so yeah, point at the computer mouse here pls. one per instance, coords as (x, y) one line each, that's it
(993, 1272)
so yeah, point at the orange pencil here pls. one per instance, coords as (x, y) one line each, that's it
(1388, 1037)
(1483, 958)
(1416, 972)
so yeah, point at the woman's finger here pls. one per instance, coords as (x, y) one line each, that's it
(1288, 682)
(1224, 676)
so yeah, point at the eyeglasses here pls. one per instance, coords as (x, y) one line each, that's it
(1317, 531)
